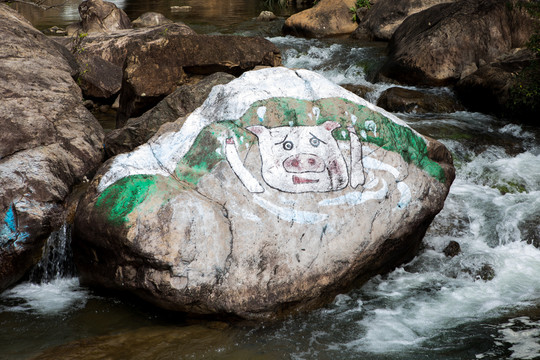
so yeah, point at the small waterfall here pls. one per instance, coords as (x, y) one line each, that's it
(57, 259)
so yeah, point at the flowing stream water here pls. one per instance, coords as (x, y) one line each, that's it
(482, 304)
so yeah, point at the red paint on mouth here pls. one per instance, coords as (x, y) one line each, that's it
(298, 180)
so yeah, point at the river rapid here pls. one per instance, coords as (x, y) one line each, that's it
(482, 304)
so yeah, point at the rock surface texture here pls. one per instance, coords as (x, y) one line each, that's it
(326, 18)
(447, 42)
(398, 99)
(280, 191)
(48, 142)
(149, 19)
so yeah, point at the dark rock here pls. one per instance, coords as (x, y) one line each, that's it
(180, 103)
(326, 18)
(452, 249)
(447, 42)
(384, 17)
(398, 99)
(486, 273)
(155, 70)
(149, 19)
(360, 90)
(489, 88)
(102, 16)
(280, 191)
(49, 142)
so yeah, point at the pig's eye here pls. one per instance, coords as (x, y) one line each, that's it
(288, 145)
(315, 141)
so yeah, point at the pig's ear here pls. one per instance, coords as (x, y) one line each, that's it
(257, 130)
(330, 125)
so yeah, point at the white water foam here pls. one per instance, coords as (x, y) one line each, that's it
(57, 296)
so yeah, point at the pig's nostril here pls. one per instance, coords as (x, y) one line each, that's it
(295, 163)
(311, 161)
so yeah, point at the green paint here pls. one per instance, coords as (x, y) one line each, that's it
(121, 198)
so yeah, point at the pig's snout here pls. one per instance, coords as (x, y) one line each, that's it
(301, 163)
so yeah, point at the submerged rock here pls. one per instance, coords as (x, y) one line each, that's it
(149, 19)
(447, 42)
(280, 191)
(452, 249)
(266, 16)
(49, 142)
(326, 18)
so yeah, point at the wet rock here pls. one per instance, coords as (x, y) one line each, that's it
(279, 192)
(266, 16)
(486, 273)
(326, 18)
(49, 142)
(149, 19)
(180, 103)
(489, 88)
(447, 42)
(452, 249)
(384, 17)
(102, 16)
(397, 99)
(157, 69)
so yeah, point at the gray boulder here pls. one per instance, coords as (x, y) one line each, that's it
(48, 142)
(445, 43)
(279, 192)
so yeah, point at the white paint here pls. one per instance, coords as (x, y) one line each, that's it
(289, 214)
(167, 150)
(239, 169)
(261, 111)
(357, 197)
(406, 195)
(371, 126)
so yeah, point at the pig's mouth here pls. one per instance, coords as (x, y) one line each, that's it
(300, 180)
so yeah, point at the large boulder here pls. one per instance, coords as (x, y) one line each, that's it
(101, 56)
(102, 16)
(180, 103)
(326, 18)
(48, 142)
(447, 42)
(385, 16)
(156, 69)
(280, 191)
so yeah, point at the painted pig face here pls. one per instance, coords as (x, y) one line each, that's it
(301, 158)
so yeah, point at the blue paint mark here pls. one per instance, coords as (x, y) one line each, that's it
(10, 219)
(9, 233)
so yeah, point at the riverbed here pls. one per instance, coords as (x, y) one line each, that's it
(433, 307)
